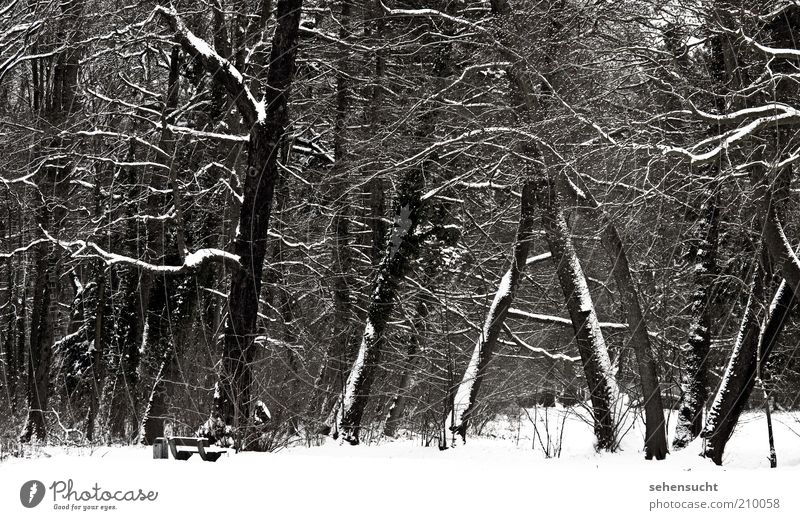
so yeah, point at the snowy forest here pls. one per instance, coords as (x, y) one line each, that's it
(272, 223)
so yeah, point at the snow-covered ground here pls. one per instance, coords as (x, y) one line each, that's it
(496, 475)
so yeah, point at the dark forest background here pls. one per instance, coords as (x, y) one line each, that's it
(267, 221)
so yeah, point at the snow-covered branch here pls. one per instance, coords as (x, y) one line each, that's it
(219, 68)
(432, 13)
(23, 248)
(770, 51)
(538, 350)
(88, 249)
(788, 115)
(557, 320)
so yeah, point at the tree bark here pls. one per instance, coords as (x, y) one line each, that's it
(335, 356)
(759, 328)
(655, 442)
(398, 403)
(267, 121)
(694, 379)
(467, 392)
(655, 424)
(345, 418)
(588, 336)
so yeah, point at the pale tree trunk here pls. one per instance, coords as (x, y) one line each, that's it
(466, 393)
(588, 336)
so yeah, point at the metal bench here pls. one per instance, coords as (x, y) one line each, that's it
(184, 447)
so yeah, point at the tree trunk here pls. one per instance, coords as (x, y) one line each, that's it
(345, 418)
(41, 351)
(374, 26)
(655, 424)
(139, 283)
(233, 404)
(694, 380)
(467, 392)
(62, 103)
(330, 375)
(737, 382)
(588, 336)
(655, 442)
(154, 415)
(759, 328)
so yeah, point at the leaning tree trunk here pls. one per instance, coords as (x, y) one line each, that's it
(655, 424)
(694, 380)
(737, 382)
(345, 418)
(588, 336)
(757, 331)
(467, 392)
(397, 255)
(655, 442)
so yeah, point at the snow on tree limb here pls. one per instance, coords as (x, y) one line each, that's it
(538, 350)
(557, 320)
(770, 51)
(219, 68)
(787, 116)
(23, 249)
(88, 249)
(433, 13)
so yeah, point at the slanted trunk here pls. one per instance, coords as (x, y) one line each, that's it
(345, 418)
(588, 336)
(737, 382)
(655, 442)
(655, 424)
(694, 379)
(739, 378)
(267, 122)
(467, 392)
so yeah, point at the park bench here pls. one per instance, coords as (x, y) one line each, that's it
(184, 447)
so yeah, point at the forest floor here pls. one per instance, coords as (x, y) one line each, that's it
(493, 475)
